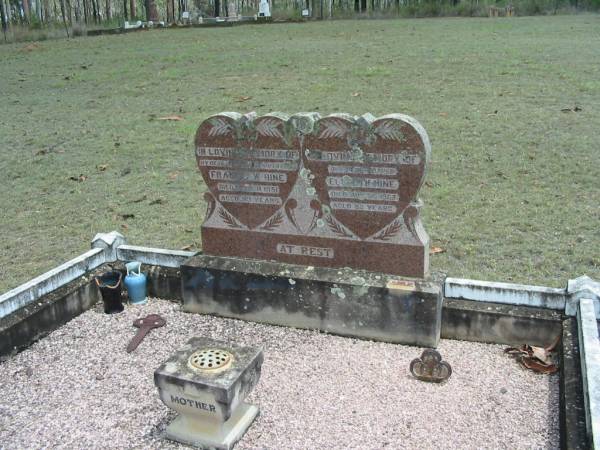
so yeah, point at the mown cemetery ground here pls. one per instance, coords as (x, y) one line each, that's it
(96, 133)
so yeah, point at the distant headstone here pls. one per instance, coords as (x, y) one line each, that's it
(337, 191)
(263, 9)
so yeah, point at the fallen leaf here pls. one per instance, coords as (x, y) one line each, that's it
(434, 250)
(443, 114)
(187, 247)
(126, 216)
(125, 171)
(173, 175)
(158, 201)
(173, 117)
(428, 184)
(102, 167)
(536, 366)
(574, 109)
(80, 178)
(187, 230)
(243, 99)
(355, 94)
(124, 226)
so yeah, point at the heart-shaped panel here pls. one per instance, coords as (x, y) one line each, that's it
(367, 170)
(248, 164)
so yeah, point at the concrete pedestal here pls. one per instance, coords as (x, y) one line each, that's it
(340, 301)
(211, 435)
(206, 381)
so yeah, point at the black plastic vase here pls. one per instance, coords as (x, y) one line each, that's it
(110, 287)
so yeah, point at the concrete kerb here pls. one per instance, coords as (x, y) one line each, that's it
(505, 293)
(53, 279)
(104, 249)
(153, 256)
(589, 342)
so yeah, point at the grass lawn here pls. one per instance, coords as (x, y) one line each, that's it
(513, 193)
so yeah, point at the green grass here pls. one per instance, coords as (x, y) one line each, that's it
(513, 193)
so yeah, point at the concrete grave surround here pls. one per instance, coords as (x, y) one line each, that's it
(210, 402)
(335, 191)
(346, 302)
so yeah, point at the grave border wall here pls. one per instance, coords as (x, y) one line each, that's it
(37, 307)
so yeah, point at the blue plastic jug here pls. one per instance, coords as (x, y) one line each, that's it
(135, 282)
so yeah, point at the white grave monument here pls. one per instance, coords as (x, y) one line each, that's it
(264, 10)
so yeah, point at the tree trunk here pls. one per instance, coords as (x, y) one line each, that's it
(85, 11)
(26, 10)
(132, 9)
(107, 10)
(170, 11)
(125, 10)
(217, 8)
(69, 10)
(4, 21)
(94, 11)
(151, 11)
(64, 17)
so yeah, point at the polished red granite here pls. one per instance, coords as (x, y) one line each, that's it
(338, 191)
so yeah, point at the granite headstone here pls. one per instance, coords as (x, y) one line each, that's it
(335, 191)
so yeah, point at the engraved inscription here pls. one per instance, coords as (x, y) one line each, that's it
(259, 177)
(370, 207)
(377, 158)
(361, 170)
(367, 183)
(252, 188)
(258, 153)
(304, 250)
(193, 403)
(251, 199)
(365, 195)
(248, 164)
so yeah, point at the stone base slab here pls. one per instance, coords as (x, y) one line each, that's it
(340, 301)
(223, 438)
(400, 259)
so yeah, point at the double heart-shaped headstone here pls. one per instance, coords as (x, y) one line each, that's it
(361, 173)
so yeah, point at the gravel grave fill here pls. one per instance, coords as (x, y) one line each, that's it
(78, 388)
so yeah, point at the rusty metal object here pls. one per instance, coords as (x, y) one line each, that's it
(538, 359)
(430, 367)
(145, 325)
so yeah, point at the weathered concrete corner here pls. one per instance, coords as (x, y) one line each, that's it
(589, 342)
(579, 288)
(110, 242)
